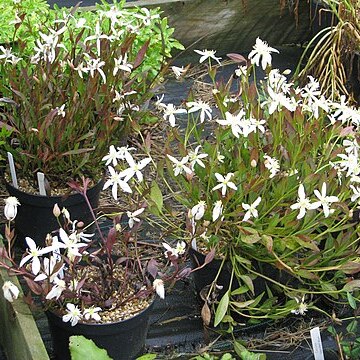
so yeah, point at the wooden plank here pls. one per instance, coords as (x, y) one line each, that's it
(19, 335)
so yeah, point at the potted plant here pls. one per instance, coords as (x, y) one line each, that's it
(82, 82)
(100, 287)
(266, 174)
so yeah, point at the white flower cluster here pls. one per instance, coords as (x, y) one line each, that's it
(120, 179)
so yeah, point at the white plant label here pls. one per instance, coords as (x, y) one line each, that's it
(317, 344)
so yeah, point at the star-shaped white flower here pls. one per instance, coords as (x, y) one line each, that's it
(234, 121)
(208, 54)
(261, 51)
(180, 166)
(195, 157)
(204, 108)
(324, 200)
(169, 113)
(92, 313)
(133, 216)
(302, 204)
(224, 183)
(134, 168)
(116, 181)
(251, 209)
(112, 156)
(73, 314)
(33, 254)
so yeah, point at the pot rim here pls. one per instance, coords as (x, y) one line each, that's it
(63, 197)
(94, 324)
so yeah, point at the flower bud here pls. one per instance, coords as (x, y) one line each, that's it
(10, 210)
(66, 213)
(11, 292)
(56, 210)
(158, 285)
(253, 163)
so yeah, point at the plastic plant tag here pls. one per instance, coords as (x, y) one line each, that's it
(12, 170)
(317, 344)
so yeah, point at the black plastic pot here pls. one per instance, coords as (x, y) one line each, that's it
(123, 340)
(35, 214)
(206, 275)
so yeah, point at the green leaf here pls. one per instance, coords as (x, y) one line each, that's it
(156, 196)
(351, 300)
(147, 357)
(351, 285)
(82, 348)
(352, 327)
(222, 308)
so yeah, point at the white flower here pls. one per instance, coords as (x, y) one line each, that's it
(178, 250)
(204, 108)
(261, 51)
(34, 253)
(180, 247)
(116, 181)
(57, 289)
(302, 307)
(133, 216)
(224, 183)
(278, 100)
(97, 36)
(356, 193)
(207, 54)
(70, 243)
(169, 113)
(251, 209)
(180, 166)
(241, 71)
(178, 71)
(112, 156)
(220, 158)
(272, 165)
(147, 17)
(10, 290)
(217, 210)
(234, 121)
(73, 314)
(10, 209)
(324, 200)
(48, 269)
(122, 64)
(96, 65)
(158, 286)
(134, 168)
(61, 111)
(92, 313)
(195, 158)
(302, 204)
(198, 211)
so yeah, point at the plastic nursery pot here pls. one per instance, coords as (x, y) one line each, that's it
(206, 275)
(35, 214)
(123, 340)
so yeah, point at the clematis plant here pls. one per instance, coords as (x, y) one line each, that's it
(273, 188)
(80, 82)
(101, 277)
